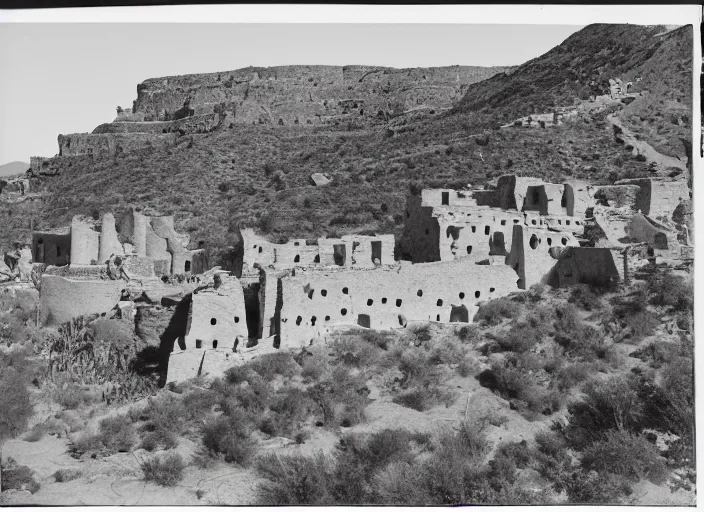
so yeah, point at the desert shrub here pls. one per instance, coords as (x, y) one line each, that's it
(417, 368)
(448, 351)
(399, 483)
(278, 363)
(580, 340)
(379, 339)
(237, 374)
(609, 404)
(229, 435)
(468, 366)
(359, 458)
(519, 453)
(502, 471)
(66, 475)
(288, 409)
(15, 403)
(670, 403)
(423, 333)
(420, 399)
(626, 454)
(521, 337)
(638, 323)
(12, 329)
(515, 384)
(199, 402)
(165, 413)
(117, 433)
(295, 480)
(468, 333)
(589, 487)
(40, 429)
(494, 311)
(585, 297)
(657, 353)
(20, 478)
(550, 443)
(253, 398)
(166, 470)
(455, 472)
(71, 396)
(350, 351)
(571, 375)
(340, 398)
(158, 439)
(87, 443)
(314, 367)
(667, 289)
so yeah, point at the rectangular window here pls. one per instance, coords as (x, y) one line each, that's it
(376, 251)
(445, 198)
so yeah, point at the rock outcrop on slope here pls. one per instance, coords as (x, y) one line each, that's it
(290, 96)
(307, 95)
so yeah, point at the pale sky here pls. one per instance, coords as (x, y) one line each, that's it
(69, 77)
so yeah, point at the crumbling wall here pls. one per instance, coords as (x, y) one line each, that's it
(644, 229)
(51, 248)
(66, 298)
(271, 301)
(614, 222)
(577, 198)
(585, 265)
(179, 256)
(657, 198)
(217, 319)
(109, 242)
(85, 242)
(295, 253)
(618, 196)
(534, 253)
(421, 232)
(256, 249)
(564, 223)
(314, 301)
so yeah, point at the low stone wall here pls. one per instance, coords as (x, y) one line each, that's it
(65, 298)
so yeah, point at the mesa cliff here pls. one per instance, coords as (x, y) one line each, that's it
(307, 95)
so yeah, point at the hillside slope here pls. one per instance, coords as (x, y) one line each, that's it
(259, 175)
(581, 66)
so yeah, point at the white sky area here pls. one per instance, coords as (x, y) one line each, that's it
(69, 77)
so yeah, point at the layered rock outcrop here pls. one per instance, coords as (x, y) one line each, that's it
(307, 95)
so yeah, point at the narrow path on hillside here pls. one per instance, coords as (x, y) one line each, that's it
(640, 147)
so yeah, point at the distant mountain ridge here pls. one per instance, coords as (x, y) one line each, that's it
(13, 168)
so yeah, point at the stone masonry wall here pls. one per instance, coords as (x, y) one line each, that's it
(66, 298)
(383, 298)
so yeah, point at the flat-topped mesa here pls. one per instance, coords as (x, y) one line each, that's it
(305, 95)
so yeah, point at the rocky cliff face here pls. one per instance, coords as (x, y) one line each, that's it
(306, 95)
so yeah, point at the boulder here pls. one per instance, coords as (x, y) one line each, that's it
(319, 179)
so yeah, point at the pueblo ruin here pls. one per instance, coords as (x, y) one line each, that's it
(459, 248)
